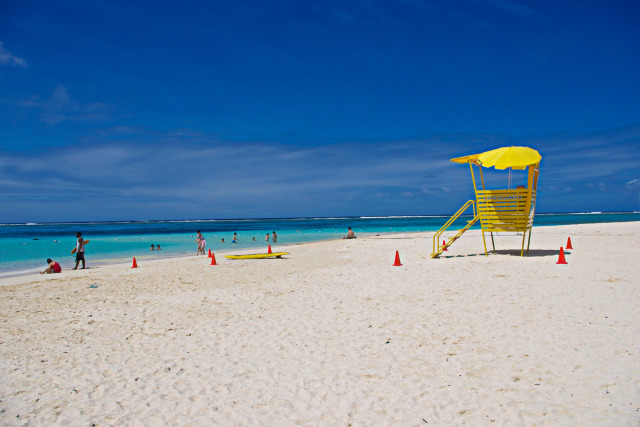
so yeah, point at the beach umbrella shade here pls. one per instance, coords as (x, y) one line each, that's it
(509, 157)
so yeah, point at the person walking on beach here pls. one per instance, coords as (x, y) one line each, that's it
(275, 237)
(79, 251)
(53, 267)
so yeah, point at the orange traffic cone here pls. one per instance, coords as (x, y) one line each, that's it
(397, 263)
(269, 250)
(135, 264)
(209, 253)
(213, 258)
(444, 243)
(569, 243)
(561, 259)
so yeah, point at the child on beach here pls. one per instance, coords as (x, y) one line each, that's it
(53, 267)
(200, 242)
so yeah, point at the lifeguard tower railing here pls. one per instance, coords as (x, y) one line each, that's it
(437, 248)
(504, 210)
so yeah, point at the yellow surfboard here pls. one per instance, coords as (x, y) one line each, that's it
(84, 242)
(257, 256)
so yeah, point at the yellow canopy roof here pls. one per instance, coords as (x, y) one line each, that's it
(510, 157)
(503, 158)
(467, 159)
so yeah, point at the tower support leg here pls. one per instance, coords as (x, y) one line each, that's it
(485, 244)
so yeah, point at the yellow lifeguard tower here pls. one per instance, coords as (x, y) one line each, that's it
(509, 210)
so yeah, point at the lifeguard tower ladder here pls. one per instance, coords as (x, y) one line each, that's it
(509, 210)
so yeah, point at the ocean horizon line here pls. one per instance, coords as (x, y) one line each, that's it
(301, 218)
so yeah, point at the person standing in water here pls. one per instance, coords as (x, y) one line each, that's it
(275, 237)
(203, 243)
(79, 251)
(266, 239)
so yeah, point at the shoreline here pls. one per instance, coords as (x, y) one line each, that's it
(102, 262)
(333, 333)
(119, 243)
(14, 277)
(8, 278)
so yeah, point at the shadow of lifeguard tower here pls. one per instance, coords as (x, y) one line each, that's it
(509, 210)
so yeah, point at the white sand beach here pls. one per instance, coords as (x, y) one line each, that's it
(333, 334)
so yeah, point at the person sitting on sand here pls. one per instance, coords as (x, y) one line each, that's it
(350, 234)
(152, 247)
(53, 267)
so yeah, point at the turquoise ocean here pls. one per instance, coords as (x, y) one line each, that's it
(24, 248)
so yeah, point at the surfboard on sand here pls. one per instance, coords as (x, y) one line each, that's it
(257, 256)
(84, 242)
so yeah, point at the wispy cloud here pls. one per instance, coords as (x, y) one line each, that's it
(7, 58)
(167, 176)
(59, 107)
(634, 183)
(223, 179)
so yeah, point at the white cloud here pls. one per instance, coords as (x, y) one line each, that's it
(151, 171)
(226, 171)
(7, 58)
(635, 183)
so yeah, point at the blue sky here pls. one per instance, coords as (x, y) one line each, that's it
(114, 110)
